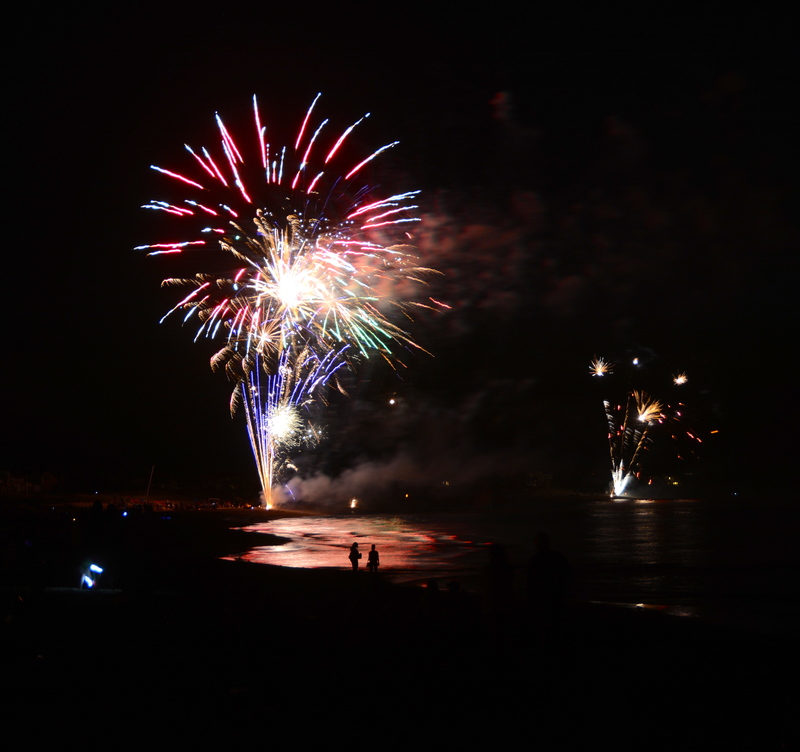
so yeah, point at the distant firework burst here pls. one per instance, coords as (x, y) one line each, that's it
(600, 367)
(631, 421)
(309, 265)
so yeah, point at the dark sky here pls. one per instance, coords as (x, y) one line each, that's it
(637, 196)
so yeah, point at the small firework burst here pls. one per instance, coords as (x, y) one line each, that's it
(600, 367)
(648, 409)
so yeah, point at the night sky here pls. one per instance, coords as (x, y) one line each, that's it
(611, 185)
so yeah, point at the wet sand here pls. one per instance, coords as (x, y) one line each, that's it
(174, 619)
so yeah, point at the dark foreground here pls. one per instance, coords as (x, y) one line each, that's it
(173, 625)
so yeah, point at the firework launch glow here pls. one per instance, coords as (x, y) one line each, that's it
(309, 265)
(629, 426)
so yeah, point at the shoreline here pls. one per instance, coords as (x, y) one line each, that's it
(171, 608)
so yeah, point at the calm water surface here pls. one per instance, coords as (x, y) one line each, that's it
(733, 562)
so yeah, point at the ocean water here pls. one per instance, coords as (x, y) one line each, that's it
(734, 562)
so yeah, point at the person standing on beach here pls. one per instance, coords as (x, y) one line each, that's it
(373, 560)
(549, 577)
(354, 556)
(498, 582)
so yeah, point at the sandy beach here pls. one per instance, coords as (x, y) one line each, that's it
(170, 616)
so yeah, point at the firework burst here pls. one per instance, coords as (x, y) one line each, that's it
(310, 262)
(648, 409)
(600, 367)
(630, 422)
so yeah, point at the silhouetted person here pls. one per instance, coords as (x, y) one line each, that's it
(373, 560)
(354, 556)
(455, 601)
(498, 583)
(549, 576)
(431, 600)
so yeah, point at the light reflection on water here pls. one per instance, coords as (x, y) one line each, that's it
(733, 560)
(409, 548)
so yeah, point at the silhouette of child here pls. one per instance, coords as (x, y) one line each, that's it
(373, 560)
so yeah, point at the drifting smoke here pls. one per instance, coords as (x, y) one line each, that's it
(393, 480)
